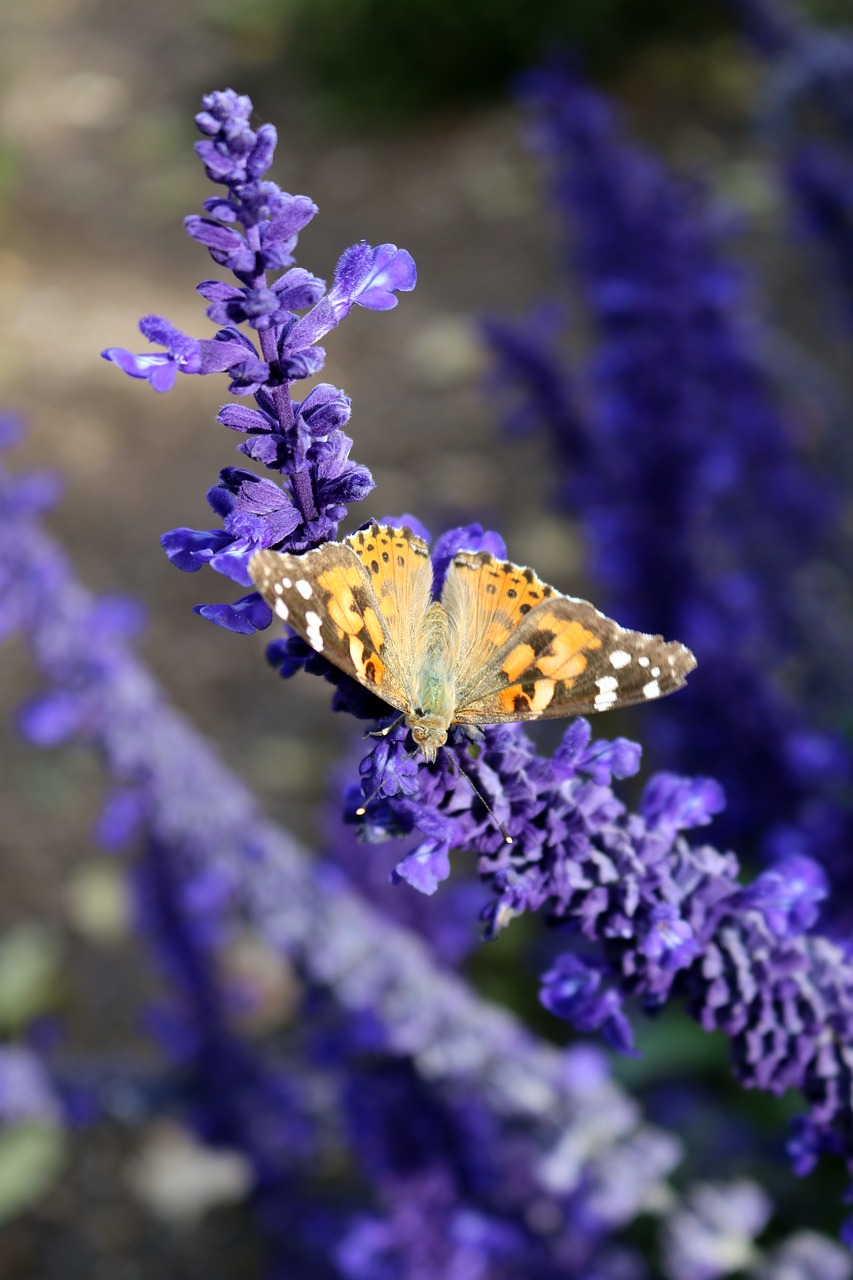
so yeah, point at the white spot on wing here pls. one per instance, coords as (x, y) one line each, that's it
(619, 658)
(304, 589)
(314, 622)
(608, 686)
(282, 610)
(287, 582)
(278, 588)
(652, 689)
(644, 662)
(656, 672)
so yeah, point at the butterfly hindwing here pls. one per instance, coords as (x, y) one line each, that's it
(399, 570)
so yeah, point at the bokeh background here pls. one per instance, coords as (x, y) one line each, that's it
(398, 121)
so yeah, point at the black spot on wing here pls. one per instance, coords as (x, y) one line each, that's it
(540, 641)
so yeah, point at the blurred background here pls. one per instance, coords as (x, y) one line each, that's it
(399, 122)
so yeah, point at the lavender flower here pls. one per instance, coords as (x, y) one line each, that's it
(252, 230)
(668, 918)
(807, 1256)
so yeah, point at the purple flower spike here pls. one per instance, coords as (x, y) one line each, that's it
(251, 228)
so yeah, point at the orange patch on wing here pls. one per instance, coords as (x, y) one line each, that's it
(374, 628)
(565, 657)
(373, 670)
(340, 604)
(511, 700)
(517, 661)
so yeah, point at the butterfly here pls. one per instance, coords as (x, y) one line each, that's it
(499, 645)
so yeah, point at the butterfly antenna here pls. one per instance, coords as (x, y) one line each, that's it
(362, 808)
(455, 765)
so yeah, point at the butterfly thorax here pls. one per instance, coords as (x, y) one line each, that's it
(434, 694)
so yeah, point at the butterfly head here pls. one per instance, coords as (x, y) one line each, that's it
(429, 731)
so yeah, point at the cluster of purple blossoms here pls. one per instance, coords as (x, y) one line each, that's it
(695, 488)
(252, 230)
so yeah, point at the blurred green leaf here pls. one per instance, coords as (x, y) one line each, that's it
(30, 958)
(31, 1157)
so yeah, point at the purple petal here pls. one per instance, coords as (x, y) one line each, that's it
(425, 867)
(371, 276)
(249, 614)
(159, 370)
(189, 549)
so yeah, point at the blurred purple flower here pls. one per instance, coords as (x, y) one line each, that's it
(694, 491)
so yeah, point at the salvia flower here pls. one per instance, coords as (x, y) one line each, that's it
(251, 229)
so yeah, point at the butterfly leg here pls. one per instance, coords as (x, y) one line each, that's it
(383, 733)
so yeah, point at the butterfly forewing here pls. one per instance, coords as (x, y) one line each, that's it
(360, 603)
(486, 600)
(548, 655)
(400, 573)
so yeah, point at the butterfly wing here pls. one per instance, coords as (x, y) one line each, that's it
(359, 602)
(523, 651)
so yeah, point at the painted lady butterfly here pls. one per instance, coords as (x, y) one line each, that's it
(500, 645)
